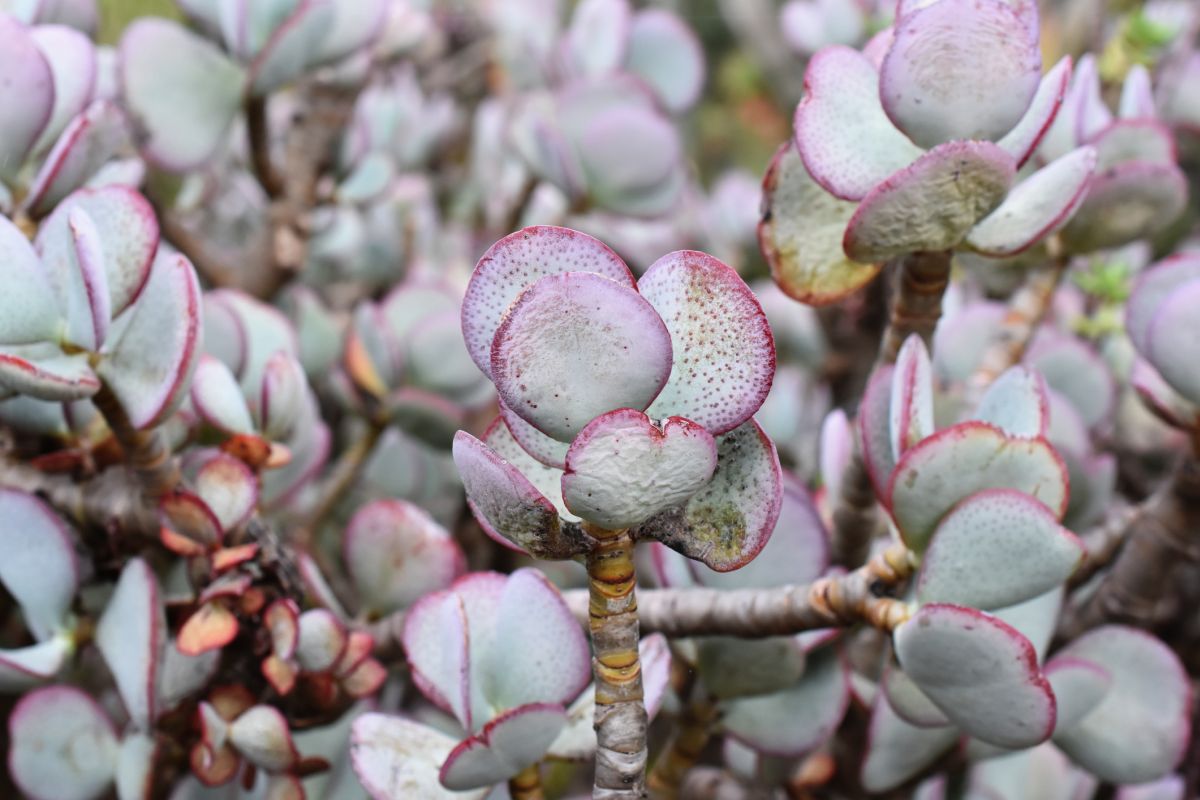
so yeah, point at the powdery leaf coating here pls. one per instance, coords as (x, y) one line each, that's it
(135, 766)
(734, 667)
(395, 553)
(1076, 371)
(799, 719)
(161, 63)
(896, 750)
(518, 261)
(801, 234)
(1079, 686)
(539, 653)
(931, 204)
(1171, 340)
(980, 672)
(28, 309)
(1036, 207)
(71, 57)
(875, 429)
(506, 745)
(632, 160)
(623, 469)
(395, 757)
(953, 464)
(908, 701)
(88, 143)
(63, 745)
(576, 345)
(44, 373)
(508, 505)
(217, 397)
(550, 452)
(723, 350)
(261, 735)
(292, 46)
(436, 641)
(153, 353)
(27, 95)
(997, 548)
(1140, 730)
(229, 488)
(322, 640)
(1134, 140)
(665, 53)
(846, 140)
(128, 231)
(546, 479)
(1151, 287)
(1124, 203)
(962, 69)
(836, 449)
(130, 635)
(727, 523)
(1027, 134)
(910, 417)
(1017, 403)
(26, 667)
(39, 568)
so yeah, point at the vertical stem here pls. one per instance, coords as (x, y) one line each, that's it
(684, 748)
(856, 519)
(146, 451)
(917, 302)
(527, 784)
(259, 135)
(620, 711)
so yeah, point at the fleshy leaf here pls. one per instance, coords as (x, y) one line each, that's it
(39, 568)
(665, 53)
(961, 69)
(931, 204)
(71, 57)
(550, 452)
(875, 430)
(896, 750)
(210, 628)
(1036, 207)
(546, 479)
(27, 95)
(799, 719)
(1017, 403)
(801, 234)
(44, 373)
(1151, 287)
(911, 408)
(516, 262)
(395, 553)
(229, 488)
(980, 672)
(63, 745)
(846, 140)
(1079, 686)
(1171, 338)
(161, 63)
(623, 469)
(1140, 730)
(150, 362)
(322, 640)
(395, 757)
(88, 143)
(908, 701)
(1075, 370)
(28, 309)
(26, 667)
(135, 766)
(728, 522)
(130, 636)
(506, 745)
(261, 735)
(1134, 140)
(723, 350)
(435, 639)
(955, 463)
(576, 345)
(596, 40)
(1023, 139)
(292, 46)
(1130, 201)
(997, 548)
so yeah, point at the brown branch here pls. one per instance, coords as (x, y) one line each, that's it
(341, 478)
(527, 784)
(112, 500)
(146, 451)
(856, 517)
(694, 728)
(1161, 537)
(921, 281)
(259, 134)
(838, 601)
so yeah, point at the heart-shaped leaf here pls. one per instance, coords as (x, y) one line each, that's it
(1017, 403)
(723, 350)
(1079, 686)
(27, 94)
(955, 463)
(506, 745)
(130, 636)
(623, 469)
(931, 204)
(1130, 201)
(153, 352)
(576, 345)
(1140, 729)
(980, 672)
(395, 757)
(910, 418)
(39, 569)
(846, 140)
(63, 745)
(1022, 140)
(160, 63)
(896, 750)
(28, 310)
(1036, 207)
(728, 522)
(665, 53)
(89, 142)
(801, 234)
(395, 553)
(959, 69)
(799, 719)
(516, 262)
(997, 548)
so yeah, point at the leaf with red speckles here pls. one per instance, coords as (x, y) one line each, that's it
(724, 353)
